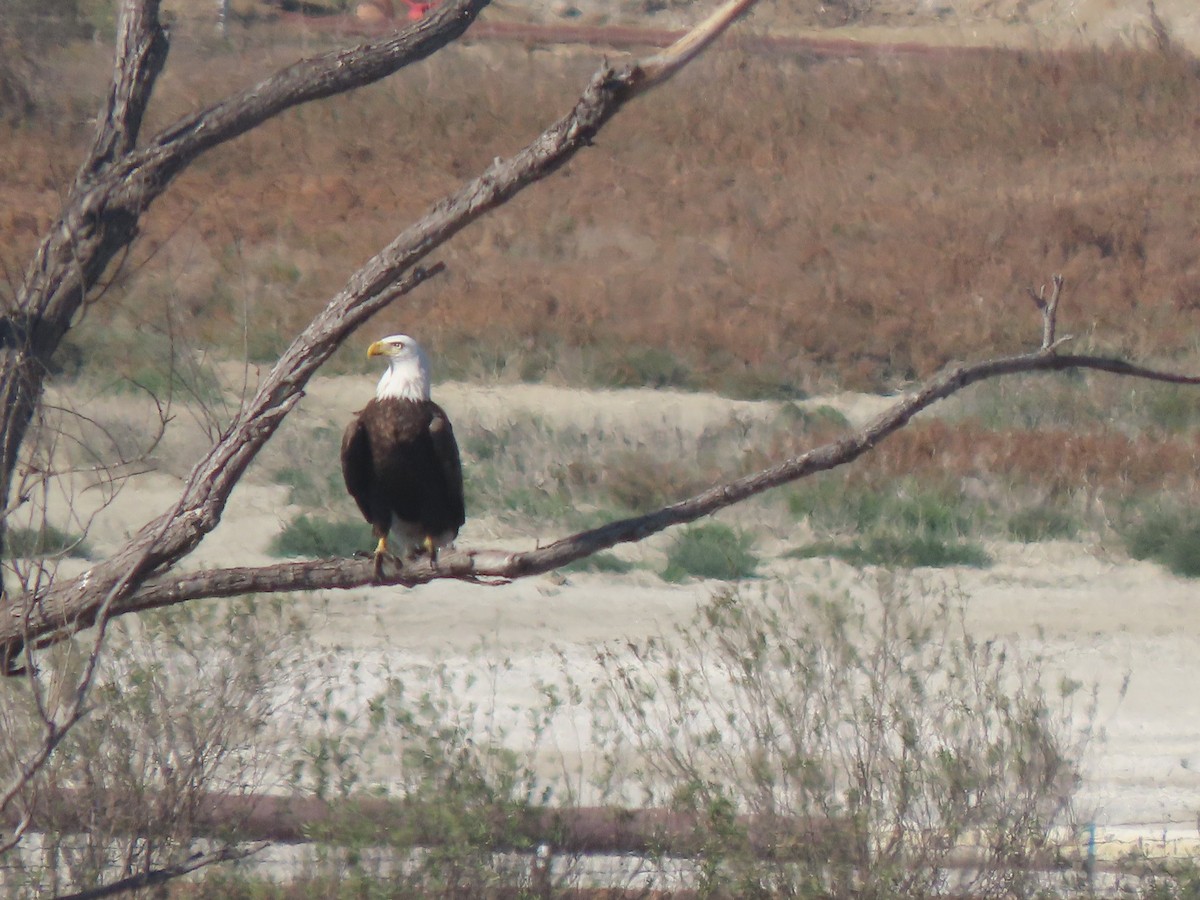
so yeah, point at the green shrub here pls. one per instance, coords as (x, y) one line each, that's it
(1167, 536)
(310, 536)
(754, 385)
(195, 699)
(711, 550)
(1040, 523)
(907, 505)
(631, 367)
(35, 543)
(816, 419)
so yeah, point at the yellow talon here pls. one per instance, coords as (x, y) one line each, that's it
(380, 553)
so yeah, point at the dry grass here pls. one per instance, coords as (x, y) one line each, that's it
(847, 223)
(1063, 460)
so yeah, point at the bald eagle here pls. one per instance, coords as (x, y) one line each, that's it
(400, 459)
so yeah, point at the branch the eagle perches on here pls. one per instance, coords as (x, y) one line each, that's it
(47, 620)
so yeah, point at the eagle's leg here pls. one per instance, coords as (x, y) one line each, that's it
(431, 548)
(380, 553)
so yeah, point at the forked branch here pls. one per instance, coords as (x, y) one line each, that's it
(1049, 310)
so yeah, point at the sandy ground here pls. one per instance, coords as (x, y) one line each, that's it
(1009, 23)
(1129, 628)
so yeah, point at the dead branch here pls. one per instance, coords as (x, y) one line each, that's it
(1049, 309)
(585, 830)
(48, 620)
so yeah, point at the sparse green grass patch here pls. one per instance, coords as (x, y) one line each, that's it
(1169, 536)
(817, 420)
(906, 523)
(312, 536)
(310, 467)
(898, 551)
(34, 543)
(1170, 407)
(307, 489)
(907, 505)
(711, 550)
(1040, 523)
(646, 366)
(605, 563)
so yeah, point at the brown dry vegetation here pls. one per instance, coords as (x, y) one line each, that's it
(844, 223)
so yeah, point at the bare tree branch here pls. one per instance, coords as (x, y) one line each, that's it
(591, 830)
(141, 52)
(1049, 310)
(56, 727)
(498, 566)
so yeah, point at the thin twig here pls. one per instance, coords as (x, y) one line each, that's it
(1158, 28)
(58, 726)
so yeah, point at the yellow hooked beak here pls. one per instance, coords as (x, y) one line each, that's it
(377, 349)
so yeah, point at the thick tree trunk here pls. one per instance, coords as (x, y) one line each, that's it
(18, 399)
(96, 223)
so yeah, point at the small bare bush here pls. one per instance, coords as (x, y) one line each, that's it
(882, 740)
(188, 705)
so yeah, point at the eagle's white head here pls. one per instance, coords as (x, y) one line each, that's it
(407, 375)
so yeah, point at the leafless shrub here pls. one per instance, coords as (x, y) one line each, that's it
(186, 707)
(898, 755)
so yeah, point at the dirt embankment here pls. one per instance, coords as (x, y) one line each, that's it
(1012, 23)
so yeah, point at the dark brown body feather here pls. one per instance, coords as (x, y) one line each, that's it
(401, 466)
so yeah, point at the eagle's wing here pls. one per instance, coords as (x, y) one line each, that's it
(446, 450)
(357, 468)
